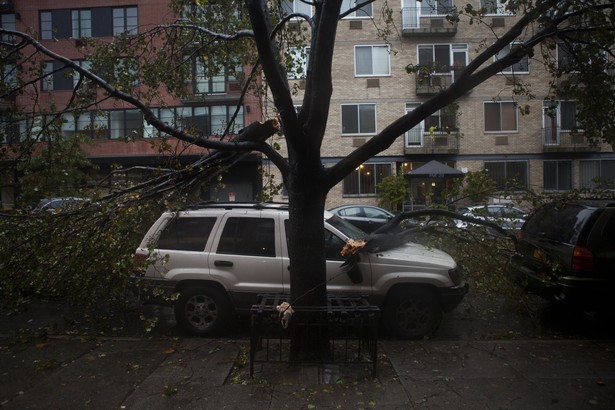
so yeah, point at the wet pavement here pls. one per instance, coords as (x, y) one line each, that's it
(488, 354)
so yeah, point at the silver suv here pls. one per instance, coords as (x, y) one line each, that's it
(216, 259)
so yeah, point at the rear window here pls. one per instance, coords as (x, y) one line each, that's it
(562, 223)
(186, 234)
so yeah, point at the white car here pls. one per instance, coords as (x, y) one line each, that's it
(219, 257)
(506, 216)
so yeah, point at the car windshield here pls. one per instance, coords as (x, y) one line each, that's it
(346, 228)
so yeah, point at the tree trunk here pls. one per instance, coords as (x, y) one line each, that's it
(308, 270)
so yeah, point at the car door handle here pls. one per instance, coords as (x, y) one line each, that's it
(223, 263)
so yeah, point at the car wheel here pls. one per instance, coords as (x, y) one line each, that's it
(202, 311)
(412, 313)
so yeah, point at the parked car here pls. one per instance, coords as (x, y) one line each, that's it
(219, 257)
(56, 205)
(566, 252)
(366, 217)
(508, 217)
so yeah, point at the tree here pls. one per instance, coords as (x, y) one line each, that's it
(393, 191)
(254, 32)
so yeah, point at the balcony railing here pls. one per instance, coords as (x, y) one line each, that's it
(427, 21)
(433, 83)
(420, 141)
(555, 139)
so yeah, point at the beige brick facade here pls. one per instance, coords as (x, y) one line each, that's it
(392, 93)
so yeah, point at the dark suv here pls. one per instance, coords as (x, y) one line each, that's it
(566, 252)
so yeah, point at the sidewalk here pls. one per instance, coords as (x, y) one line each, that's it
(195, 373)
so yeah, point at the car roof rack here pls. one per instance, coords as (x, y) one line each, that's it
(235, 205)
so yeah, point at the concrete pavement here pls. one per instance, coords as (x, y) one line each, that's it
(195, 373)
(486, 355)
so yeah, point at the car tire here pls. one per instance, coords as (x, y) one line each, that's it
(412, 313)
(202, 311)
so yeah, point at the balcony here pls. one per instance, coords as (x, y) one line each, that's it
(555, 139)
(432, 83)
(231, 93)
(426, 21)
(420, 141)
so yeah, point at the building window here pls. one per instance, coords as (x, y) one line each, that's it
(365, 179)
(559, 117)
(564, 56)
(205, 82)
(56, 77)
(363, 12)
(520, 67)
(297, 60)
(212, 120)
(9, 77)
(125, 124)
(433, 7)
(125, 20)
(500, 116)
(296, 6)
(508, 175)
(7, 22)
(358, 119)
(9, 128)
(85, 64)
(441, 122)
(55, 24)
(443, 60)
(557, 175)
(494, 6)
(221, 115)
(372, 60)
(597, 174)
(81, 21)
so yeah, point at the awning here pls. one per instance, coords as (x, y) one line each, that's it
(435, 170)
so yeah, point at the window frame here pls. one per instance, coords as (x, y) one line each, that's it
(593, 178)
(510, 70)
(361, 13)
(455, 50)
(295, 4)
(556, 175)
(359, 119)
(373, 60)
(299, 57)
(501, 129)
(82, 30)
(500, 9)
(359, 188)
(203, 84)
(8, 21)
(506, 171)
(128, 28)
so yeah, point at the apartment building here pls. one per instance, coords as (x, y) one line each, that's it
(486, 129)
(61, 26)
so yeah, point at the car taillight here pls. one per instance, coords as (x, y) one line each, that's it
(582, 259)
(455, 276)
(139, 261)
